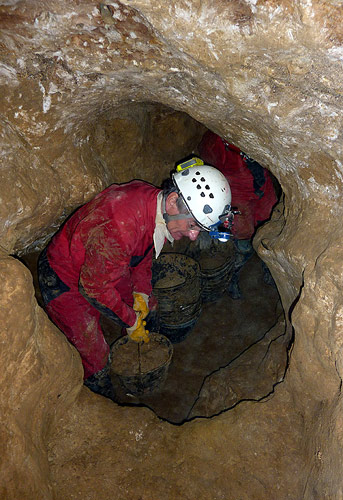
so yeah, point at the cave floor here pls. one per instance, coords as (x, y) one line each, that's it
(225, 330)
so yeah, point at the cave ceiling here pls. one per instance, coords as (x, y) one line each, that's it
(266, 75)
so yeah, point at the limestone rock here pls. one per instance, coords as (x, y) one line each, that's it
(251, 376)
(267, 77)
(40, 378)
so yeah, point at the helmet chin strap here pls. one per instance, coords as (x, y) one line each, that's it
(169, 218)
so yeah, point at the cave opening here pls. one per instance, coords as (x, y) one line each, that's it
(236, 351)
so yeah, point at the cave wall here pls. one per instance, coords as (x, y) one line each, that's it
(34, 389)
(266, 75)
(134, 141)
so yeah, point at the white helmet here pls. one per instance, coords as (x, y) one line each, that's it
(205, 191)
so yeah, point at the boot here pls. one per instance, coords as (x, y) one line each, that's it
(233, 287)
(243, 252)
(101, 383)
(267, 277)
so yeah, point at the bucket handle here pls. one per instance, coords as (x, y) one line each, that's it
(180, 308)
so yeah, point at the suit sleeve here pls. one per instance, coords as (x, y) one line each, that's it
(141, 275)
(107, 261)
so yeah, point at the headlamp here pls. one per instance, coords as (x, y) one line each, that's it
(221, 236)
(222, 229)
(220, 233)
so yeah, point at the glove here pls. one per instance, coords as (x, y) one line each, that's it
(137, 332)
(140, 304)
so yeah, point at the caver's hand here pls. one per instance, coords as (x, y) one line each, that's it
(137, 332)
(140, 304)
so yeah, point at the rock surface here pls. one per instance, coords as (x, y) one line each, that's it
(250, 377)
(94, 94)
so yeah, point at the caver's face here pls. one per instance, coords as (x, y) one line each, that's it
(180, 227)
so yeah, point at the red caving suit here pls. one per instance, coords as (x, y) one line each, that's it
(102, 253)
(254, 204)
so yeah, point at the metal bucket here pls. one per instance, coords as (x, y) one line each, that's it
(179, 306)
(141, 381)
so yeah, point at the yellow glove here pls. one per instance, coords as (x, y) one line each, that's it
(140, 304)
(137, 332)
